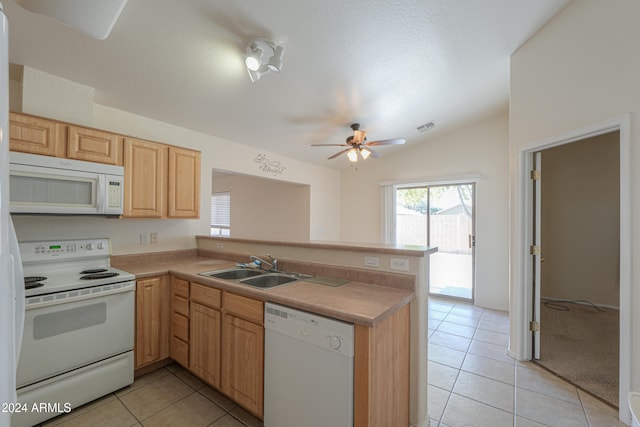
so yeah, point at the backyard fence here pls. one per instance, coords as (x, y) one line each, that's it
(450, 233)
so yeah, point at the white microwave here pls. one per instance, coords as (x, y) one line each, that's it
(53, 185)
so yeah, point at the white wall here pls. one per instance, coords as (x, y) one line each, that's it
(480, 148)
(216, 153)
(266, 209)
(582, 68)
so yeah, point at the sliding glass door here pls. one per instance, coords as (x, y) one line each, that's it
(441, 215)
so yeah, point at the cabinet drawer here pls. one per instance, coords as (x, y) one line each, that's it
(180, 305)
(180, 351)
(181, 287)
(243, 307)
(180, 326)
(205, 295)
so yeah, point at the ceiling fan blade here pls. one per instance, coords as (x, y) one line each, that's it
(331, 145)
(359, 136)
(373, 153)
(339, 153)
(396, 141)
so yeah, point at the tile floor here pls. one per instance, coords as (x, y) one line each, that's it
(473, 382)
(169, 396)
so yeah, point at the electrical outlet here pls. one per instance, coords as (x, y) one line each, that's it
(219, 245)
(399, 264)
(144, 239)
(371, 261)
(153, 238)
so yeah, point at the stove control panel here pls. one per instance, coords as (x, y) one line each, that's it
(64, 249)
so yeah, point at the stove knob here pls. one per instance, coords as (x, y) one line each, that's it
(89, 246)
(335, 342)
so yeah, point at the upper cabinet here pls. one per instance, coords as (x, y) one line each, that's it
(46, 137)
(145, 165)
(183, 183)
(161, 181)
(94, 145)
(37, 136)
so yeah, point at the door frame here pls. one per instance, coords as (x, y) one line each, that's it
(521, 286)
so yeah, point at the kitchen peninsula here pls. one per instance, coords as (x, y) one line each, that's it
(383, 304)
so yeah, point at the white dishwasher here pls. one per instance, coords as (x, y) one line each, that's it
(308, 369)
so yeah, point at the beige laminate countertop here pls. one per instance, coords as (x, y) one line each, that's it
(352, 302)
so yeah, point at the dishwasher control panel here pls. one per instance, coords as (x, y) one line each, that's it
(328, 334)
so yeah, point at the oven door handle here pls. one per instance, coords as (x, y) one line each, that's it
(79, 295)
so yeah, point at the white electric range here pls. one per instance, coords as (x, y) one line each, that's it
(78, 335)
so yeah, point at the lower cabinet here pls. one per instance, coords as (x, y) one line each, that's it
(204, 333)
(205, 343)
(219, 336)
(243, 362)
(152, 320)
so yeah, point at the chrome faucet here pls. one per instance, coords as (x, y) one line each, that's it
(273, 264)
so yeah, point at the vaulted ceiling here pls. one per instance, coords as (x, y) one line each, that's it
(391, 65)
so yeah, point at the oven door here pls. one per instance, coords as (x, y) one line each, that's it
(69, 330)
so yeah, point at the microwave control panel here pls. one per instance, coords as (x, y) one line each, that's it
(114, 196)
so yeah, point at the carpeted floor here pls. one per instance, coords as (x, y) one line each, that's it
(581, 344)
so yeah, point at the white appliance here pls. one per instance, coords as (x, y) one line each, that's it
(79, 327)
(53, 185)
(11, 289)
(308, 369)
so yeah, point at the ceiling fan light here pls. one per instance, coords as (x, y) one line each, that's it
(352, 155)
(365, 153)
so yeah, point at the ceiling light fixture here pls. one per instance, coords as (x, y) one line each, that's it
(365, 152)
(352, 155)
(261, 57)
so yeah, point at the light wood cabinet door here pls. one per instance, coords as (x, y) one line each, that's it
(243, 362)
(204, 343)
(36, 135)
(184, 183)
(152, 320)
(94, 146)
(144, 179)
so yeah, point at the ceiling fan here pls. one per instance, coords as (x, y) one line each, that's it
(358, 144)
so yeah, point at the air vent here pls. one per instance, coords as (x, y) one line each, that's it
(425, 127)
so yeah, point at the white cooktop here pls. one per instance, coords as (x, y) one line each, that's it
(63, 265)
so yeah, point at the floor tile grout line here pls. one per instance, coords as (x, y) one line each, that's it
(515, 366)
(129, 410)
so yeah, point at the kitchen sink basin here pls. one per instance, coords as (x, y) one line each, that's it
(269, 280)
(233, 273)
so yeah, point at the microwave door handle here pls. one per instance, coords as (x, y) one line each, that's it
(102, 191)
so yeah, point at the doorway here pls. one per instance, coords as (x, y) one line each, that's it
(441, 215)
(576, 291)
(522, 267)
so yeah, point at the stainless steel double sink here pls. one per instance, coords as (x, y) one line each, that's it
(256, 278)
